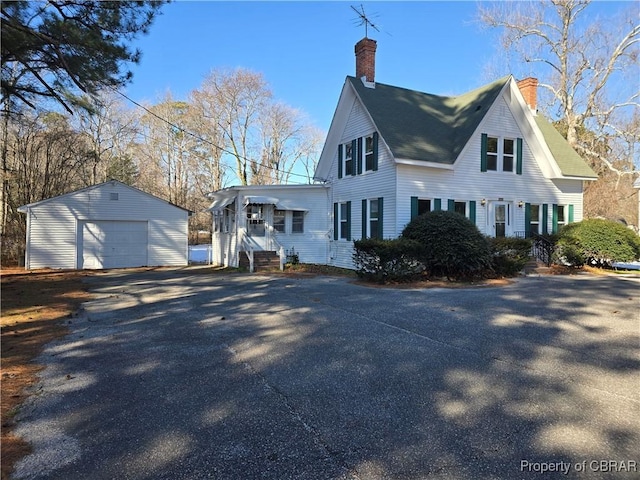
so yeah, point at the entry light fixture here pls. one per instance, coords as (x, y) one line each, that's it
(520, 204)
(483, 202)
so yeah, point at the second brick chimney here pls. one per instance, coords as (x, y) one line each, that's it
(366, 59)
(529, 89)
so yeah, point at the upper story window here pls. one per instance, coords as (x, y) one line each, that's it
(501, 154)
(356, 154)
(369, 153)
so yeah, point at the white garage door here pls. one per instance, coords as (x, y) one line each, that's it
(113, 244)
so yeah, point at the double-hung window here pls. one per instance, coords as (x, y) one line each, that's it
(369, 153)
(534, 224)
(279, 220)
(342, 221)
(297, 221)
(372, 210)
(561, 216)
(501, 154)
(349, 155)
(460, 207)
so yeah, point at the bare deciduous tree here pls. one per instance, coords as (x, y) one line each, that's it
(588, 70)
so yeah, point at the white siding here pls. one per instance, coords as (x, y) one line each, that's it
(368, 185)
(55, 225)
(311, 246)
(466, 182)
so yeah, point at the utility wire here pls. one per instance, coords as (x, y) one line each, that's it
(197, 137)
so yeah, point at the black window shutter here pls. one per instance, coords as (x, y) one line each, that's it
(472, 211)
(483, 153)
(354, 155)
(519, 156)
(339, 161)
(380, 217)
(364, 218)
(375, 151)
(451, 205)
(349, 221)
(527, 220)
(359, 156)
(414, 207)
(336, 222)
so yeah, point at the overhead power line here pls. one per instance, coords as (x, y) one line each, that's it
(197, 137)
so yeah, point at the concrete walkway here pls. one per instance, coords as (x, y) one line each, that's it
(178, 374)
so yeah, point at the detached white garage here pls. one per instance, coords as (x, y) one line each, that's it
(109, 225)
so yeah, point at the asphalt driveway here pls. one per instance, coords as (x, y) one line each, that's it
(178, 374)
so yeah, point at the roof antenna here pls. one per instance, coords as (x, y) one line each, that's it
(364, 20)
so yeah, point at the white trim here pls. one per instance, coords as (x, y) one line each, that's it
(425, 164)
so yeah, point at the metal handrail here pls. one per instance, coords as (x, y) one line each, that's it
(542, 248)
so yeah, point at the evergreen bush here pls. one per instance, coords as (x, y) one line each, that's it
(387, 260)
(452, 245)
(597, 242)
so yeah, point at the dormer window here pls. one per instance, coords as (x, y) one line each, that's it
(501, 154)
(348, 159)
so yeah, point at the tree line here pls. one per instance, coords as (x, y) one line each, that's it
(230, 130)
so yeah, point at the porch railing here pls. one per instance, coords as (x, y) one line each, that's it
(248, 250)
(542, 249)
(280, 249)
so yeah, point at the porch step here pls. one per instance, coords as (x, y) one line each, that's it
(262, 260)
(536, 267)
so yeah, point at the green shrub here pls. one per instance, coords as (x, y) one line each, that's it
(452, 245)
(387, 260)
(509, 255)
(597, 242)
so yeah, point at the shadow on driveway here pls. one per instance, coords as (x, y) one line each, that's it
(181, 375)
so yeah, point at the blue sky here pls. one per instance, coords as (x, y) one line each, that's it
(305, 49)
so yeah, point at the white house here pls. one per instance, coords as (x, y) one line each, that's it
(270, 218)
(109, 225)
(393, 153)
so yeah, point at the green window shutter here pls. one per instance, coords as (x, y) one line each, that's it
(375, 151)
(554, 218)
(339, 161)
(483, 153)
(380, 216)
(519, 156)
(451, 205)
(336, 223)
(364, 218)
(414, 207)
(472, 211)
(349, 221)
(354, 153)
(571, 214)
(437, 204)
(527, 220)
(545, 216)
(359, 156)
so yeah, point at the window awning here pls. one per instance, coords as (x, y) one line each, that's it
(290, 205)
(260, 200)
(220, 203)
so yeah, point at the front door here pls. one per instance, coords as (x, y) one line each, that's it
(257, 231)
(501, 219)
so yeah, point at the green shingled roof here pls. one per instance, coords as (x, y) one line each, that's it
(421, 126)
(571, 164)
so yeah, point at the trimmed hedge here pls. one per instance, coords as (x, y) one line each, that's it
(387, 260)
(597, 242)
(452, 245)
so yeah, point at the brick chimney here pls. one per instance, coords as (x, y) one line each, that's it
(529, 89)
(366, 59)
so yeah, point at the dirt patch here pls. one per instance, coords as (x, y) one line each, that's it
(36, 309)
